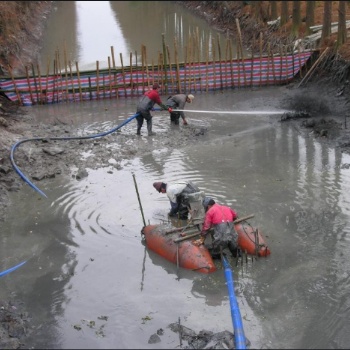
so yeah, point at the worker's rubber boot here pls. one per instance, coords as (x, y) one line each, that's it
(149, 128)
(138, 132)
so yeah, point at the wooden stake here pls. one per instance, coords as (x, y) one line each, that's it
(173, 88)
(40, 87)
(123, 73)
(78, 74)
(138, 198)
(112, 53)
(15, 86)
(29, 85)
(109, 77)
(65, 69)
(260, 46)
(165, 65)
(131, 81)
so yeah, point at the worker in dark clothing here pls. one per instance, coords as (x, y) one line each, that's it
(146, 103)
(178, 102)
(180, 194)
(219, 219)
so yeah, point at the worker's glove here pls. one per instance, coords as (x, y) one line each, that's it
(164, 107)
(185, 122)
(170, 110)
(199, 241)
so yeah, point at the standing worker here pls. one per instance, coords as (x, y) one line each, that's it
(220, 218)
(179, 194)
(146, 103)
(178, 102)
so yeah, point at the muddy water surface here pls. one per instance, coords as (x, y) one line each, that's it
(91, 283)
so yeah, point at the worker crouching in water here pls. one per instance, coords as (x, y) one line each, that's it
(218, 221)
(180, 194)
(178, 102)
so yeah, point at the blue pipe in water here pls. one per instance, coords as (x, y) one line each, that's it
(240, 341)
(12, 269)
(19, 172)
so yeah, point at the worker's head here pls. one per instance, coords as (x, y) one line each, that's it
(160, 187)
(208, 202)
(189, 98)
(155, 86)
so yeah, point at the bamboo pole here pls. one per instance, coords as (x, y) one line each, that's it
(54, 81)
(160, 71)
(109, 77)
(281, 63)
(78, 74)
(47, 79)
(40, 87)
(98, 79)
(214, 62)
(219, 52)
(123, 73)
(198, 65)
(231, 65)
(147, 73)
(190, 63)
(206, 65)
(143, 68)
(153, 74)
(65, 68)
(177, 68)
(137, 74)
(112, 54)
(35, 84)
(260, 50)
(59, 68)
(238, 64)
(71, 78)
(185, 70)
(165, 65)
(139, 200)
(131, 80)
(268, 65)
(29, 86)
(226, 60)
(90, 88)
(273, 68)
(171, 71)
(309, 73)
(15, 86)
(252, 65)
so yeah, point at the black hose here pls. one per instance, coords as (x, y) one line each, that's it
(60, 138)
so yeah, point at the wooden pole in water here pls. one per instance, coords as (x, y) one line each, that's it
(59, 67)
(273, 67)
(138, 198)
(153, 72)
(268, 65)
(90, 88)
(226, 60)
(185, 70)
(147, 73)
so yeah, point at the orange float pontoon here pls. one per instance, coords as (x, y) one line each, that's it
(250, 239)
(184, 253)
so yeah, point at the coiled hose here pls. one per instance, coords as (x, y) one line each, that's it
(13, 148)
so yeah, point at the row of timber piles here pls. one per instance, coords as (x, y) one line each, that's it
(220, 69)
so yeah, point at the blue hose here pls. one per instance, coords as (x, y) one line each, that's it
(12, 269)
(60, 138)
(240, 341)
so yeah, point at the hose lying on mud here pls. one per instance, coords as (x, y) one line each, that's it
(3, 273)
(59, 138)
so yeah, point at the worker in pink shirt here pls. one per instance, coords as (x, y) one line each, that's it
(219, 218)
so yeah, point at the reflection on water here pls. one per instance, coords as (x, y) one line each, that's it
(85, 31)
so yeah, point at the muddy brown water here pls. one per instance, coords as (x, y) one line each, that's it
(90, 282)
